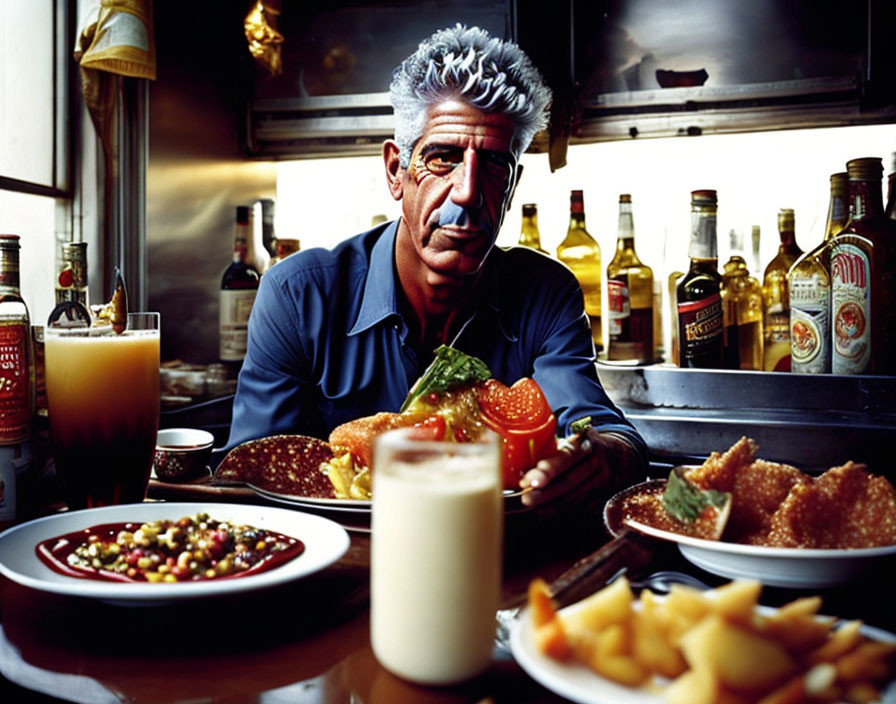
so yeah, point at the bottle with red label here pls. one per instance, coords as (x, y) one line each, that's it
(630, 295)
(16, 378)
(863, 279)
(698, 294)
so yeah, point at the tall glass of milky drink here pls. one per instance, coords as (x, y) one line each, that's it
(436, 553)
(103, 406)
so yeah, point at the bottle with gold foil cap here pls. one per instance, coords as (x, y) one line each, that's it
(581, 253)
(529, 234)
(776, 297)
(863, 278)
(809, 286)
(698, 293)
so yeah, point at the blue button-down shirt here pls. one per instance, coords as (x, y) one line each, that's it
(327, 343)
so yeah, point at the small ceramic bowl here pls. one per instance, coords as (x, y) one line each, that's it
(182, 453)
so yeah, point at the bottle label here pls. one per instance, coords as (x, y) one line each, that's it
(15, 406)
(618, 305)
(233, 323)
(702, 325)
(810, 326)
(850, 309)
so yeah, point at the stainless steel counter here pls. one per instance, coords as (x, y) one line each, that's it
(811, 421)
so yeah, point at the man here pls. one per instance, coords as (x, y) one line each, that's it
(343, 333)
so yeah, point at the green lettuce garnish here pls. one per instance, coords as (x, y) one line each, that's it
(450, 369)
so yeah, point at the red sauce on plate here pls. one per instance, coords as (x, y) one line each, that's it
(188, 550)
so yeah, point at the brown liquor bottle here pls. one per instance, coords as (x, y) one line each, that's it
(698, 294)
(581, 253)
(776, 297)
(629, 295)
(863, 279)
(239, 284)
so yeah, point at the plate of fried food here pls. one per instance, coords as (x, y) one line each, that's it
(455, 399)
(738, 516)
(694, 647)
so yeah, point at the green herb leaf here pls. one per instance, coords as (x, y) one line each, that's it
(685, 501)
(451, 368)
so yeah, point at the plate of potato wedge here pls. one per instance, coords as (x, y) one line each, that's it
(695, 647)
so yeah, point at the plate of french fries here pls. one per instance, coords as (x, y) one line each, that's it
(694, 647)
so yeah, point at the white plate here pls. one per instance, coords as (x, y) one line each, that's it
(580, 684)
(325, 542)
(776, 567)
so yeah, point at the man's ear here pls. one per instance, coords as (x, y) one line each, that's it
(516, 180)
(394, 171)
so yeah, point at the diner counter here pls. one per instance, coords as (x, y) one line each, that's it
(308, 640)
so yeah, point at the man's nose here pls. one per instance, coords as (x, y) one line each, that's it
(466, 190)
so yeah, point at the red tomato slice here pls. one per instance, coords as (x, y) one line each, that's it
(430, 428)
(520, 414)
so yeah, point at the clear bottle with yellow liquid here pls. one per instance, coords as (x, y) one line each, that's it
(581, 253)
(741, 310)
(629, 295)
(809, 283)
(776, 297)
(529, 234)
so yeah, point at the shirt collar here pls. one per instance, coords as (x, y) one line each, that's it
(379, 300)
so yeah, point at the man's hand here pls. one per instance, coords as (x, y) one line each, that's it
(589, 462)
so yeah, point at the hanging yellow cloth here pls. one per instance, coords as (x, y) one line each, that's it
(117, 36)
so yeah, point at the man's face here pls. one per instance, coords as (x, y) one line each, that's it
(454, 192)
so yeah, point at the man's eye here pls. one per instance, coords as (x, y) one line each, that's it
(497, 164)
(443, 162)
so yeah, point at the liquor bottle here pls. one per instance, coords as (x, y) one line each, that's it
(698, 294)
(239, 284)
(776, 320)
(741, 310)
(581, 253)
(629, 295)
(71, 283)
(529, 234)
(16, 381)
(283, 247)
(863, 279)
(809, 284)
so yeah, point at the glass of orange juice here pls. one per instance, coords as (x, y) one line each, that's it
(103, 406)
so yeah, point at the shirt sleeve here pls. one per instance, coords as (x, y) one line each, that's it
(565, 363)
(273, 380)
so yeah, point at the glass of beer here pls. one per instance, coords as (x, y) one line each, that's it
(103, 406)
(436, 546)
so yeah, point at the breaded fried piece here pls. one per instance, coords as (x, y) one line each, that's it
(846, 507)
(357, 436)
(759, 490)
(720, 471)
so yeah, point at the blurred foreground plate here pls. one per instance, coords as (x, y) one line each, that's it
(776, 567)
(325, 542)
(580, 684)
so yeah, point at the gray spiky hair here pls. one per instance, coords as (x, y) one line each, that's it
(468, 64)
